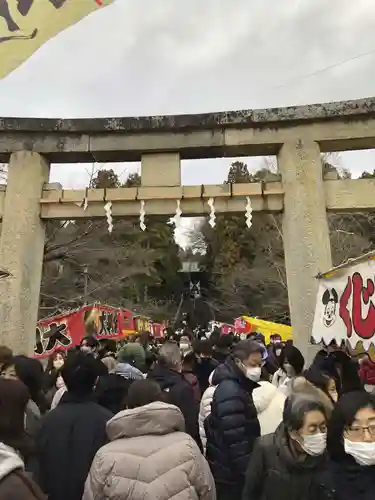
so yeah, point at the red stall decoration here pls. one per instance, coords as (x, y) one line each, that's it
(243, 327)
(226, 328)
(157, 330)
(67, 330)
(127, 322)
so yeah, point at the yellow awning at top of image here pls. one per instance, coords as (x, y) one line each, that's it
(268, 328)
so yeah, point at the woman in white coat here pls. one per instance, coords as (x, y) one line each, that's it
(269, 402)
(205, 410)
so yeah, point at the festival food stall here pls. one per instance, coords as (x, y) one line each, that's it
(103, 322)
(345, 312)
(246, 324)
(67, 330)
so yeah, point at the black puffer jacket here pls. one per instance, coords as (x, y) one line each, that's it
(232, 426)
(181, 394)
(274, 473)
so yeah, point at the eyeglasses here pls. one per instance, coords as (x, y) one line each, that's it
(358, 432)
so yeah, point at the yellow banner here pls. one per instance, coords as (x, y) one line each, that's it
(25, 25)
(268, 328)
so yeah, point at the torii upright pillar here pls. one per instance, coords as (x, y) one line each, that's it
(305, 233)
(21, 251)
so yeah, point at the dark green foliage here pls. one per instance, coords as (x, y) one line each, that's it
(246, 267)
(128, 268)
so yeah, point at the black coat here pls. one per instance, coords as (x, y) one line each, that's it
(111, 391)
(346, 381)
(233, 426)
(67, 442)
(220, 355)
(350, 481)
(274, 473)
(203, 370)
(181, 394)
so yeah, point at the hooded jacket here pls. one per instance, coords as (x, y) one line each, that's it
(269, 402)
(149, 456)
(205, 410)
(275, 473)
(300, 384)
(232, 426)
(14, 483)
(181, 394)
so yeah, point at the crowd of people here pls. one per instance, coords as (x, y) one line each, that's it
(187, 418)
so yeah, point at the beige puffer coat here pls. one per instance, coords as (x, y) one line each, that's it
(150, 457)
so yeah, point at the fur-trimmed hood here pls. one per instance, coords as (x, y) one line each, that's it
(300, 384)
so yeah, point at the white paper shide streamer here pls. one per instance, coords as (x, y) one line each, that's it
(108, 213)
(177, 216)
(212, 219)
(142, 215)
(249, 212)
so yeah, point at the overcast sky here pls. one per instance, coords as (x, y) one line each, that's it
(144, 57)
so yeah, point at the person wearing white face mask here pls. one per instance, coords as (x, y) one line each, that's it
(351, 446)
(232, 427)
(290, 464)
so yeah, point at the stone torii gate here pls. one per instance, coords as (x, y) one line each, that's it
(297, 135)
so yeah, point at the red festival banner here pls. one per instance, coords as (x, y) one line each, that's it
(67, 330)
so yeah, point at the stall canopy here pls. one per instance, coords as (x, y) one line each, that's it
(345, 312)
(247, 324)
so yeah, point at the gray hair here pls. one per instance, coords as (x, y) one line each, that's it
(170, 355)
(297, 405)
(245, 348)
